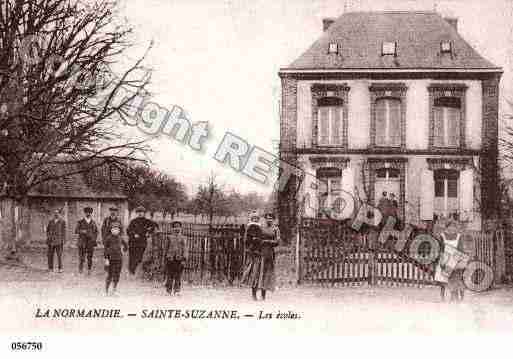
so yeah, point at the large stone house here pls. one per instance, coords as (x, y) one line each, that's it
(396, 102)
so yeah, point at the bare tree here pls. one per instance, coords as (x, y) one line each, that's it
(210, 199)
(60, 102)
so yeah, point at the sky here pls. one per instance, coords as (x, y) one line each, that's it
(219, 60)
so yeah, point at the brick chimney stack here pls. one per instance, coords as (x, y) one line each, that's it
(326, 23)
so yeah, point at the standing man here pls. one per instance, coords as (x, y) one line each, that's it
(138, 231)
(176, 254)
(384, 204)
(87, 234)
(112, 232)
(394, 210)
(55, 236)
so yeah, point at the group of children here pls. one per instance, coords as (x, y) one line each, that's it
(139, 231)
(260, 239)
(112, 233)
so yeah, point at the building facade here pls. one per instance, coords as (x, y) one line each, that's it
(98, 189)
(394, 102)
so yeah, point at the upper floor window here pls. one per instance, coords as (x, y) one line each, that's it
(447, 118)
(329, 114)
(330, 121)
(388, 114)
(388, 122)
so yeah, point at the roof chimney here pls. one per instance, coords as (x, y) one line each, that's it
(326, 23)
(453, 21)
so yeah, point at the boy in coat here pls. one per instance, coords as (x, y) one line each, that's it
(87, 232)
(55, 237)
(113, 242)
(176, 254)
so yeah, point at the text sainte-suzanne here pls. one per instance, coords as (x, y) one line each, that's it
(112, 313)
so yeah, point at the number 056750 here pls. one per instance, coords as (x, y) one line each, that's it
(25, 346)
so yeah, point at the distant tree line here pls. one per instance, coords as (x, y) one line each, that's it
(213, 200)
(158, 191)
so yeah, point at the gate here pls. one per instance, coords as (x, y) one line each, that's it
(215, 254)
(331, 252)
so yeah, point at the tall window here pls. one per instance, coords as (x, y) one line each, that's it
(447, 116)
(330, 117)
(388, 122)
(446, 192)
(331, 186)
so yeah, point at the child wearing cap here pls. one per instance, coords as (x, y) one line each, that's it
(176, 255)
(112, 232)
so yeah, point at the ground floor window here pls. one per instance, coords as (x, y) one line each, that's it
(329, 189)
(446, 202)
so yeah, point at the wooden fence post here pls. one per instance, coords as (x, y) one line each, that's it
(298, 257)
(372, 258)
(500, 259)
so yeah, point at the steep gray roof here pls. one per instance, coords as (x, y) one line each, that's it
(418, 35)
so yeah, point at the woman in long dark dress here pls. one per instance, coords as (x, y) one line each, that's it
(271, 238)
(260, 243)
(253, 244)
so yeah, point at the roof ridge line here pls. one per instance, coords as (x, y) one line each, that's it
(430, 12)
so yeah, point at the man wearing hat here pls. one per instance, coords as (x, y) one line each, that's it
(176, 254)
(55, 236)
(113, 242)
(87, 232)
(138, 231)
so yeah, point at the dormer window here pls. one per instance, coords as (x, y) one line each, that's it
(389, 48)
(333, 48)
(445, 47)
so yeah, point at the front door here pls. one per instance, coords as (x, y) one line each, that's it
(387, 180)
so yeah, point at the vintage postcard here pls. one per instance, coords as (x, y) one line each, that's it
(253, 169)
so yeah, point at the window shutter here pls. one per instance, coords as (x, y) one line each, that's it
(438, 118)
(466, 194)
(336, 125)
(309, 206)
(348, 180)
(323, 125)
(348, 186)
(454, 126)
(427, 193)
(395, 122)
(380, 122)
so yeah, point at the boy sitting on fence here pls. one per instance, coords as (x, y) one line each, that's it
(176, 255)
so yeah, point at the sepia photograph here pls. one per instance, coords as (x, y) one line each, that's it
(198, 172)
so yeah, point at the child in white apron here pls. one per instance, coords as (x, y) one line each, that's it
(451, 265)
